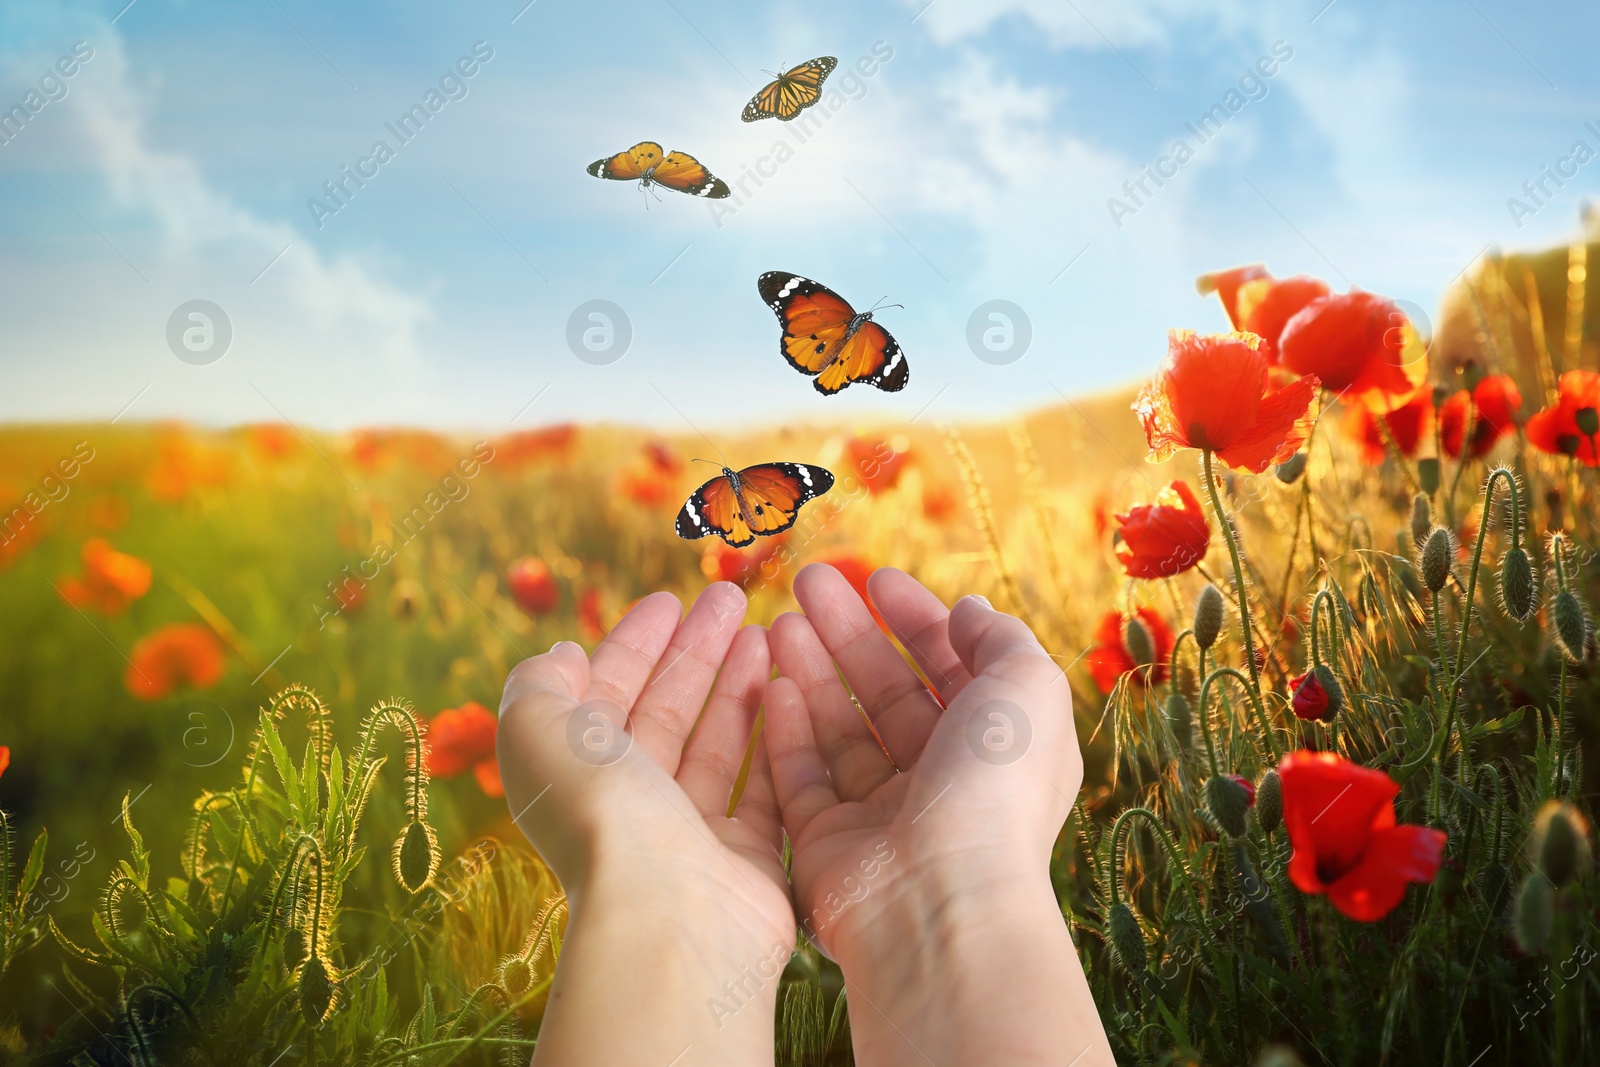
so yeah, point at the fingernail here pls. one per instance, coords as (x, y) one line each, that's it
(558, 644)
(980, 598)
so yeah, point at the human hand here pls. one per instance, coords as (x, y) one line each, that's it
(922, 864)
(611, 778)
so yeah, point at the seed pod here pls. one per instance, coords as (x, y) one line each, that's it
(1229, 798)
(1436, 553)
(1180, 720)
(1421, 518)
(1448, 881)
(1269, 801)
(1571, 624)
(1127, 940)
(416, 856)
(294, 947)
(1428, 474)
(316, 991)
(1208, 616)
(1518, 590)
(1560, 843)
(1588, 421)
(1140, 645)
(1290, 470)
(1535, 913)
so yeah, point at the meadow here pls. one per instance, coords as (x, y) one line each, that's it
(247, 773)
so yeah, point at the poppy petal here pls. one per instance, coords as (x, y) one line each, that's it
(1282, 423)
(1394, 857)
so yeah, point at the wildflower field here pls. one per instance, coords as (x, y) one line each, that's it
(1331, 650)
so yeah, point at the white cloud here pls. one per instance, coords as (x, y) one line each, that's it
(1071, 23)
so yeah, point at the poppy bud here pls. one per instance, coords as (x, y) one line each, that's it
(1229, 799)
(416, 856)
(1517, 587)
(1279, 1056)
(1587, 420)
(1428, 474)
(294, 947)
(1436, 553)
(316, 991)
(1535, 913)
(1180, 720)
(1140, 645)
(1560, 843)
(1421, 518)
(1571, 624)
(1290, 470)
(1207, 616)
(1269, 801)
(1127, 940)
(1447, 883)
(1318, 696)
(516, 975)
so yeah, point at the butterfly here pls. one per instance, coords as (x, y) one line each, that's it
(826, 337)
(792, 93)
(675, 170)
(762, 500)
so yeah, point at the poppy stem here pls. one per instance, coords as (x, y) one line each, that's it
(1255, 702)
(1238, 576)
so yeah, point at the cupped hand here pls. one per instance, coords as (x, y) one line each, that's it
(622, 783)
(929, 794)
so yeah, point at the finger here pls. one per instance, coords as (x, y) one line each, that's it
(713, 756)
(988, 641)
(562, 672)
(895, 698)
(921, 622)
(621, 664)
(855, 759)
(799, 772)
(758, 805)
(672, 700)
(539, 694)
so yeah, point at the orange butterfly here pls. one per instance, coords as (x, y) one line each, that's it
(792, 92)
(826, 337)
(676, 170)
(761, 500)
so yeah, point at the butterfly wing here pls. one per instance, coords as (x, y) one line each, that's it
(792, 92)
(871, 355)
(713, 509)
(628, 165)
(686, 174)
(774, 492)
(814, 318)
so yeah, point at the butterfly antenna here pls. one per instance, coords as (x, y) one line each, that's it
(881, 305)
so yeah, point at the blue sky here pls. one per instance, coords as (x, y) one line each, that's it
(974, 164)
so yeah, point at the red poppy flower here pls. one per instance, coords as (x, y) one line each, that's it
(663, 460)
(1356, 343)
(1560, 429)
(533, 587)
(178, 655)
(1491, 407)
(1258, 303)
(531, 446)
(1165, 538)
(1310, 701)
(111, 580)
(1340, 819)
(875, 462)
(5, 758)
(1409, 425)
(648, 489)
(590, 623)
(724, 563)
(271, 440)
(856, 571)
(1213, 395)
(1109, 658)
(939, 502)
(351, 595)
(1246, 785)
(463, 738)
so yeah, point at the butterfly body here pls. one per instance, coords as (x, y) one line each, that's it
(790, 92)
(647, 164)
(823, 336)
(739, 506)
